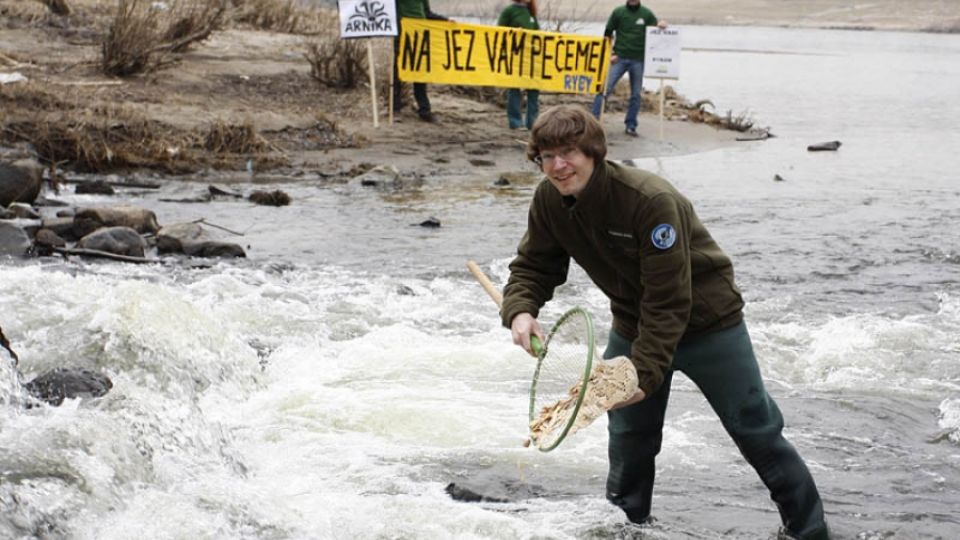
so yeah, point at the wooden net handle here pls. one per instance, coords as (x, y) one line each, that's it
(485, 282)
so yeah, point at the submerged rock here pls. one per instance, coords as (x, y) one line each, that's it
(62, 383)
(116, 240)
(14, 240)
(45, 242)
(213, 249)
(459, 493)
(381, 176)
(23, 211)
(138, 219)
(20, 181)
(270, 198)
(194, 240)
(95, 187)
(824, 146)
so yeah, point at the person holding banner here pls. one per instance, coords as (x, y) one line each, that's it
(627, 26)
(675, 307)
(414, 9)
(521, 14)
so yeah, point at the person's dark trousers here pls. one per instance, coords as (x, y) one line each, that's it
(514, 105)
(722, 364)
(419, 89)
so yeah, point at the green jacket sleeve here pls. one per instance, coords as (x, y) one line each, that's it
(611, 24)
(663, 227)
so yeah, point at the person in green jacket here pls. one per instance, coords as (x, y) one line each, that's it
(675, 307)
(414, 9)
(627, 26)
(521, 14)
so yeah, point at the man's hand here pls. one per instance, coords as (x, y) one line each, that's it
(614, 58)
(636, 398)
(522, 327)
(661, 24)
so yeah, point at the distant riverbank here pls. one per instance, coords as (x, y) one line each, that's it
(917, 16)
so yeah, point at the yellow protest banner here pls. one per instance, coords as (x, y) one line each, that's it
(447, 52)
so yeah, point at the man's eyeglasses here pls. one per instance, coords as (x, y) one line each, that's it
(550, 157)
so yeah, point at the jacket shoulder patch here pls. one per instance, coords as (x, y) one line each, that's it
(663, 236)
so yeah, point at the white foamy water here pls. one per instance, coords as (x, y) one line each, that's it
(333, 384)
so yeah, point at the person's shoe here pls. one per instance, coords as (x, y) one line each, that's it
(428, 117)
(631, 132)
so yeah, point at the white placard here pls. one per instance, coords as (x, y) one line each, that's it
(661, 60)
(367, 18)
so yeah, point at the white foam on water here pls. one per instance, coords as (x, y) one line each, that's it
(949, 419)
(862, 351)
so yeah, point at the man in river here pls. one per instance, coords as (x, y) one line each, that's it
(675, 308)
(627, 26)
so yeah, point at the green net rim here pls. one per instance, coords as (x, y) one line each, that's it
(585, 377)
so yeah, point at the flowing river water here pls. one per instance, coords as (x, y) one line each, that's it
(332, 385)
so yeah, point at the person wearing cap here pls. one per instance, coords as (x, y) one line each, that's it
(675, 307)
(627, 26)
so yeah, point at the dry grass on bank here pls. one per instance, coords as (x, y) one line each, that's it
(76, 132)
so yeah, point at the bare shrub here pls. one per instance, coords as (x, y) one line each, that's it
(142, 35)
(288, 16)
(192, 21)
(337, 63)
(741, 122)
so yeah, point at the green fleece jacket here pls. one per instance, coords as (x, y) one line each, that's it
(518, 16)
(417, 9)
(643, 245)
(629, 25)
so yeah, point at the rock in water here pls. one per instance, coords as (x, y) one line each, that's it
(463, 494)
(61, 383)
(824, 146)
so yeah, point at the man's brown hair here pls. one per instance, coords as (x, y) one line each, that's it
(567, 125)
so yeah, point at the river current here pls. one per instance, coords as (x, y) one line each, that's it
(333, 384)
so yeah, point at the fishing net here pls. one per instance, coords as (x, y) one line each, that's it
(609, 383)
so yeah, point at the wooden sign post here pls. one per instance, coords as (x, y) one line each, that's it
(662, 60)
(363, 19)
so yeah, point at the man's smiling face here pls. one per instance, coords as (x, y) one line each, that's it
(568, 169)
